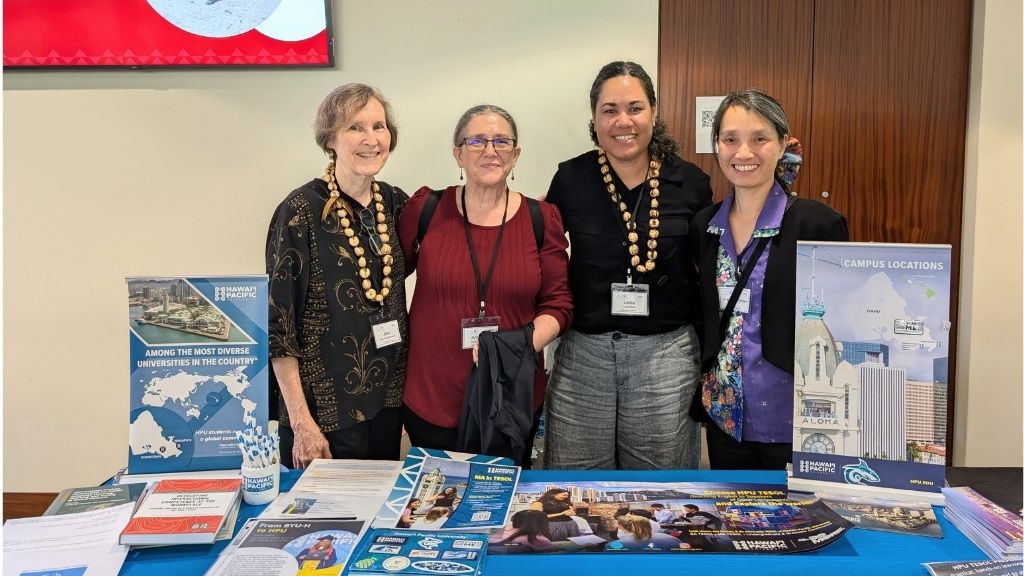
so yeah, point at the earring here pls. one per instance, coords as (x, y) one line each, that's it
(460, 174)
(513, 174)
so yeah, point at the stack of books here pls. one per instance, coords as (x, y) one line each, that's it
(997, 531)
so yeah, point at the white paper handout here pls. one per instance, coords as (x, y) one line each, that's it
(336, 489)
(84, 542)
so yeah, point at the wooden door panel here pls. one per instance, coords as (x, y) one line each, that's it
(889, 104)
(710, 47)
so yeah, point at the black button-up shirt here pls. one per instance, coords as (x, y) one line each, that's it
(599, 251)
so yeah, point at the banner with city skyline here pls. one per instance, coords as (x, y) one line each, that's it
(870, 367)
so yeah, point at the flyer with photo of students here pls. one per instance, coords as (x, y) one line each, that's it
(663, 517)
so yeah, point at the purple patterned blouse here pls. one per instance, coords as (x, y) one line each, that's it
(753, 399)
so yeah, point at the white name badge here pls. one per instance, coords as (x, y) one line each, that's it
(630, 299)
(742, 303)
(473, 327)
(386, 333)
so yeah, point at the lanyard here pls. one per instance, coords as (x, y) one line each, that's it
(632, 218)
(482, 285)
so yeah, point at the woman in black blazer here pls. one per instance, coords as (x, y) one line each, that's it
(747, 386)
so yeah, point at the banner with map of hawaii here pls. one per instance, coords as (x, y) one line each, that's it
(871, 369)
(198, 369)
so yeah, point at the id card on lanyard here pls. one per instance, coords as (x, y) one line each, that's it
(473, 327)
(385, 332)
(629, 299)
(742, 303)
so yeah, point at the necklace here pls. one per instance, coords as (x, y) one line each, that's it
(337, 203)
(630, 219)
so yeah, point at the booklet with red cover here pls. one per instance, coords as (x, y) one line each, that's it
(184, 511)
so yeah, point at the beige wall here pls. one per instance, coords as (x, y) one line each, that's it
(989, 382)
(108, 175)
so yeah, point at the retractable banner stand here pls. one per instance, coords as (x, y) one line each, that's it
(198, 370)
(871, 369)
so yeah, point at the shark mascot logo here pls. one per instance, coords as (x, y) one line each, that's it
(859, 473)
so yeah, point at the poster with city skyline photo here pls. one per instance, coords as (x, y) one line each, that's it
(870, 369)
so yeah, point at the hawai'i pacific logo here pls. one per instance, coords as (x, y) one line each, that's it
(859, 473)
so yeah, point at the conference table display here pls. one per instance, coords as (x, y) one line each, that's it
(870, 369)
(198, 368)
(857, 551)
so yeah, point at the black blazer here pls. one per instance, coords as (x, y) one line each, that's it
(804, 220)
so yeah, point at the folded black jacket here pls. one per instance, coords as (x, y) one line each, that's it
(497, 410)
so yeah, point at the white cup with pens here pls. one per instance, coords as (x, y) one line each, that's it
(261, 472)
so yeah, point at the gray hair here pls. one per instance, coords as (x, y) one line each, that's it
(476, 111)
(755, 101)
(341, 104)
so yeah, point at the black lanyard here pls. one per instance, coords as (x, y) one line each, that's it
(481, 286)
(723, 321)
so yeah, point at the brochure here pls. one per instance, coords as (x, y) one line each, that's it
(649, 517)
(986, 568)
(412, 552)
(870, 370)
(71, 500)
(915, 518)
(198, 370)
(442, 490)
(282, 547)
(997, 531)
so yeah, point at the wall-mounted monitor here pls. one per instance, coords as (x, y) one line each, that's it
(67, 34)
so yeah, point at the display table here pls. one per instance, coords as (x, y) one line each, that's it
(858, 552)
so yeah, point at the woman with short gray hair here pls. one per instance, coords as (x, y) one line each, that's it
(488, 258)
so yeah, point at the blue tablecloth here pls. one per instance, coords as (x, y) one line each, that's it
(858, 552)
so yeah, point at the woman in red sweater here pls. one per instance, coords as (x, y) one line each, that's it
(479, 268)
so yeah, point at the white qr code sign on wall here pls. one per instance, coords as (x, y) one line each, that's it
(706, 107)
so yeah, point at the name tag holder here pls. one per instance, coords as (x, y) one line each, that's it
(385, 332)
(742, 302)
(630, 299)
(473, 327)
